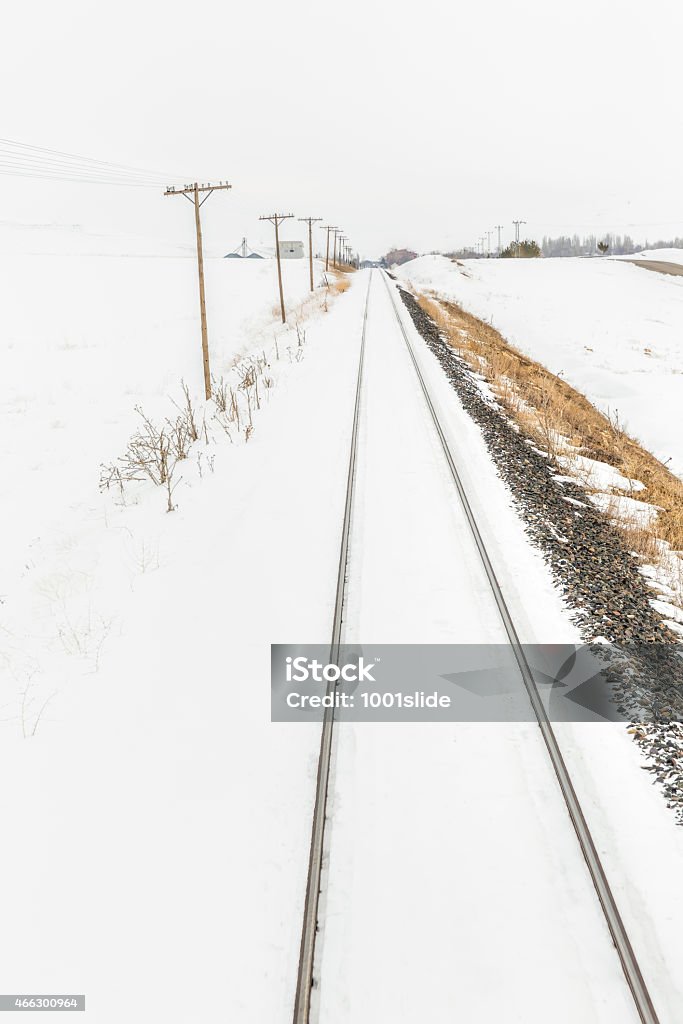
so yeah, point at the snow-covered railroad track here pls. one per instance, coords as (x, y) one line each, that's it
(605, 998)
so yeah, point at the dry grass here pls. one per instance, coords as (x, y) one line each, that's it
(338, 281)
(557, 416)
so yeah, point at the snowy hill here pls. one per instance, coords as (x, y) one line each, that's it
(656, 256)
(612, 330)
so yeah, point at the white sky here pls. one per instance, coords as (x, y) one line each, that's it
(421, 124)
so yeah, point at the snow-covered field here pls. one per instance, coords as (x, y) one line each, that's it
(612, 330)
(146, 789)
(87, 336)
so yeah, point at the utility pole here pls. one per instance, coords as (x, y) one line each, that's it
(309, 221)
(488, 242)
(193, 191)
(517, 224)
(277, 219)
(337, 232)
(328, 228)
(499, 228)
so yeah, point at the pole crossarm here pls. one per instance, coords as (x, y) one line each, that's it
(277, 218)
(187, 189)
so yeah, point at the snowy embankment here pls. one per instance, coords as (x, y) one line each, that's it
(157, 816)
(611, 330)
(655, 256)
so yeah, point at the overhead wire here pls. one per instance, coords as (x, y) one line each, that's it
(24, 160)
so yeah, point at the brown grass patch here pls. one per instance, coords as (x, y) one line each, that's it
(339, 282)
(555, 414)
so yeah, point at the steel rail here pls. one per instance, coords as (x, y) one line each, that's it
(304, 982)
(629, 962)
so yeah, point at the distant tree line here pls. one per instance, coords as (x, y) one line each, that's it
(563, 245)
(617, 245)
(397, 256)
(528, 249)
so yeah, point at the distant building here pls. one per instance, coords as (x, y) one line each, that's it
(369, 264)
(243, 252)
(291, 250)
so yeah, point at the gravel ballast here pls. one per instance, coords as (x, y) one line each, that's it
(600, 579)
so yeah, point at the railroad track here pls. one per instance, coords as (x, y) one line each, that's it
(629, 963)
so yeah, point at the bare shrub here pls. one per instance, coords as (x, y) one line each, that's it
(179, 437)
(249, 386)
(187, 413)
(152, 454)
(220, 392)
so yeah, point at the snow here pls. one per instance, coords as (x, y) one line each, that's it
(452, 869)
(429, 912)
(655, 255)
(86, 338)
(159, 820)
(596, 475)
(608, 328)
(625, 509)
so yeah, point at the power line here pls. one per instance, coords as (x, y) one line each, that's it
(23, 160)
(15, 171)
(42, 152)
(57, 164)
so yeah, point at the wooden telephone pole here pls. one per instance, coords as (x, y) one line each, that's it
(328, 228)
(337, 234)
(191, 192)
(277, 219)
(310, 221)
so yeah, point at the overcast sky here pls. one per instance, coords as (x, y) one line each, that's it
(417, 124)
